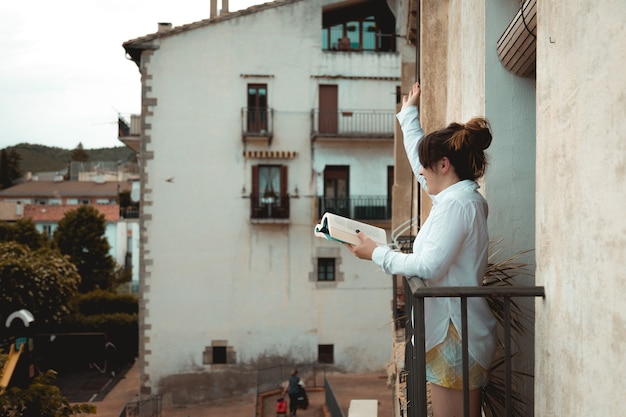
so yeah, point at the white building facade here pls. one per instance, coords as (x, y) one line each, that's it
(253, 124)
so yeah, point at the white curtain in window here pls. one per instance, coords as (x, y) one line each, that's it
(269, 182)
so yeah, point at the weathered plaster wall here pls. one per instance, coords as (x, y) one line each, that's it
(208, 274)
(510, 180)
(463, 78)
(581, 195)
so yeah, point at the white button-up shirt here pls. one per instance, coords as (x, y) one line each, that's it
(451, 249)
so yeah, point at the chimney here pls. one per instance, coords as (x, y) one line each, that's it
(163, 26)
(213, 9)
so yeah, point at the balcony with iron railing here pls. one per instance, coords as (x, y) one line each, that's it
(368, 208)
(129, 212)
(269, 209)
(257, 125)
(413, 379)
(351, 124)
(357, 37)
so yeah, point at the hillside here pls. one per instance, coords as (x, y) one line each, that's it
(40, 158)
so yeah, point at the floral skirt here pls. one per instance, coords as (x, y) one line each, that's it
(444, 364)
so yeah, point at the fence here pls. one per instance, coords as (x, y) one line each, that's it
(415, 362)
(150, 407)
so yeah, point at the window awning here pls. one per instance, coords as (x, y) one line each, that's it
(517, 47)
(270, 154)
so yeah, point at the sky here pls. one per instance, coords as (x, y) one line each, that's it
(64, 76)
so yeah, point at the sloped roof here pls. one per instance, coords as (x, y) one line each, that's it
(134, 47)
(53, 213)
(58, 189)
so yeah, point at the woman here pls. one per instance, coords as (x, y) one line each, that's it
(292, 388)
(450, 249)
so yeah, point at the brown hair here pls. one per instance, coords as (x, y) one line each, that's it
(463, 144)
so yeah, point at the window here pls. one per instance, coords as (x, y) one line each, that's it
(257, 108)
(269, 192)
(354, 35)
(336, 194)
(325, 353)
(325, 269)
(219, 354)
(47, 229)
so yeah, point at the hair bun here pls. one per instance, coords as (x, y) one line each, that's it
(478, 133)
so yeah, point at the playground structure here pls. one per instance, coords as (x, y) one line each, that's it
(17, 347)
(9, 367)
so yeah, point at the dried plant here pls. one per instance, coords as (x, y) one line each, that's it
(503, 273)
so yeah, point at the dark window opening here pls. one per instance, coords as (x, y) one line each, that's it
(363, 26)
(326, 353)
(336, 192)
(257, 108)
(326, 269)
(269, 192)
(219, 354)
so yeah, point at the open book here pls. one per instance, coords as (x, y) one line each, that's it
(343, 229)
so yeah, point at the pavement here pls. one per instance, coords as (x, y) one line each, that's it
(124, 388)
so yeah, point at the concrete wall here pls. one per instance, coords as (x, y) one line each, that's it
(581, 195)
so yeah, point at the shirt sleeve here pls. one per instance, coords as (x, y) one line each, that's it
(436, 252)
(413, 134)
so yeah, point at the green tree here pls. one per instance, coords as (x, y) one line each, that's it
(42, 281)
(24, 232)
(41, 399)
(80, 235)
(79, 154)
(9, 167)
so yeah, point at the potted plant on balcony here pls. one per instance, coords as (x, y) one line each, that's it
(503, 273)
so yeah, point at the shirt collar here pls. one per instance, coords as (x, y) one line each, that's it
(463, 185)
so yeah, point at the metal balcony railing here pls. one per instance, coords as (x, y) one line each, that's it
(367, 38)
(362, 123)
(129, 212)
(415, 361)
(274, 207)
(149, 407)
(257, 121)
(375, 207)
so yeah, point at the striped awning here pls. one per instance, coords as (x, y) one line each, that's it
(269, 154)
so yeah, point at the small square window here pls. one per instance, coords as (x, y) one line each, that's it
(325, 269)
(219, 354)
(326, 353)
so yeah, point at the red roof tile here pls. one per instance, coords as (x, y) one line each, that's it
(58, 189)
(53, 213)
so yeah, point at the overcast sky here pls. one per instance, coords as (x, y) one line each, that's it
(64, 76)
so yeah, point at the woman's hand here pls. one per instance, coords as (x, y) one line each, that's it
(412, 98)
(365, 249)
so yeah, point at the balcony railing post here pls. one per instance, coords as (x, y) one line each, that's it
(508, 402)
(420, 352)
(465, 344)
